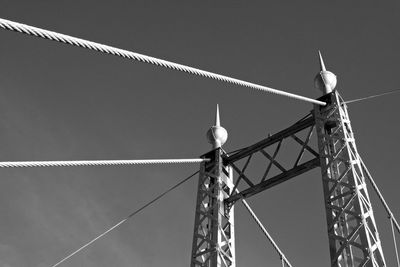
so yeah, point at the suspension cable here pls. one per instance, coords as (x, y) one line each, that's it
(386, 206)
(395, 243)
(22, 164)
(380, 196)
(372, 96)
(54, 36)
(124, 220)
(269, 237)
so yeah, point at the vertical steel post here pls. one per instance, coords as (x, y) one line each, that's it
(214, 235)
(214, 231)
(352, 231)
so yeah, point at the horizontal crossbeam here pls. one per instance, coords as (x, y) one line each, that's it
(301, 125)
(280, 178)
(268, 179)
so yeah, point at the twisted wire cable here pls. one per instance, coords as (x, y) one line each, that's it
(22, 164)
(269, 237)
(66, 39)
(124, 220)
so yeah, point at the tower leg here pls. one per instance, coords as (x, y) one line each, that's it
(352, 232)
(213, 238)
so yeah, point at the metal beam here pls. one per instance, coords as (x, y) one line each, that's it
(297, 127)
(352, 232)
(214, 232)
(263, 183)
(280, 178)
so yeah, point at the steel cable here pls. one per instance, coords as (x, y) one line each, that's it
(54, 36)
(22, 164)
(393, 221)
(395, 242)
(124, 220)
(372, 96)
(269, 237)
(380, 196)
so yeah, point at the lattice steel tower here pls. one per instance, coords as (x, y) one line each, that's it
(352, 231)
(214, 234)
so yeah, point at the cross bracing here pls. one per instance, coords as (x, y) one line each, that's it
(298, 167)
(274, 142)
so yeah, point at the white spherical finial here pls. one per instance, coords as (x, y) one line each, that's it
(217, 135)
(325, 80)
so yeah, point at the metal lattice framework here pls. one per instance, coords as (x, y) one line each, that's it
(265, 180)
(352, 230)
(214, 234)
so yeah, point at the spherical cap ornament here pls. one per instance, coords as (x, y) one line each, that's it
(217, 136)
(325, 81)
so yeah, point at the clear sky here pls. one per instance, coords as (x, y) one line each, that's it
(59, 102)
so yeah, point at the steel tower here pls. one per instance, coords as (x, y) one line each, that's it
(214, 234)
(352, 231)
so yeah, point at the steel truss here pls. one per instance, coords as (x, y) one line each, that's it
(352, 232)
(214, 234)
(253, 185)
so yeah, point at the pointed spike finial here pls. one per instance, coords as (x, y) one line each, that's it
(217, 121)
(325, 80)
(321, 61)
(217, 135)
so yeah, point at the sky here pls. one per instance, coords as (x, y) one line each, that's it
(59, 102)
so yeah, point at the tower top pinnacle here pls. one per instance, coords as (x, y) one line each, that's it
(217, 121)
(324, 80)
(321, 61)
(217, 135)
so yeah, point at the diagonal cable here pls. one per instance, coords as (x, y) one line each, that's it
(54, 36)
(124, 220)
(395, 243)
(393, 222)
(372, 96)
(69, 163)
(380, 196)
(269, 237)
